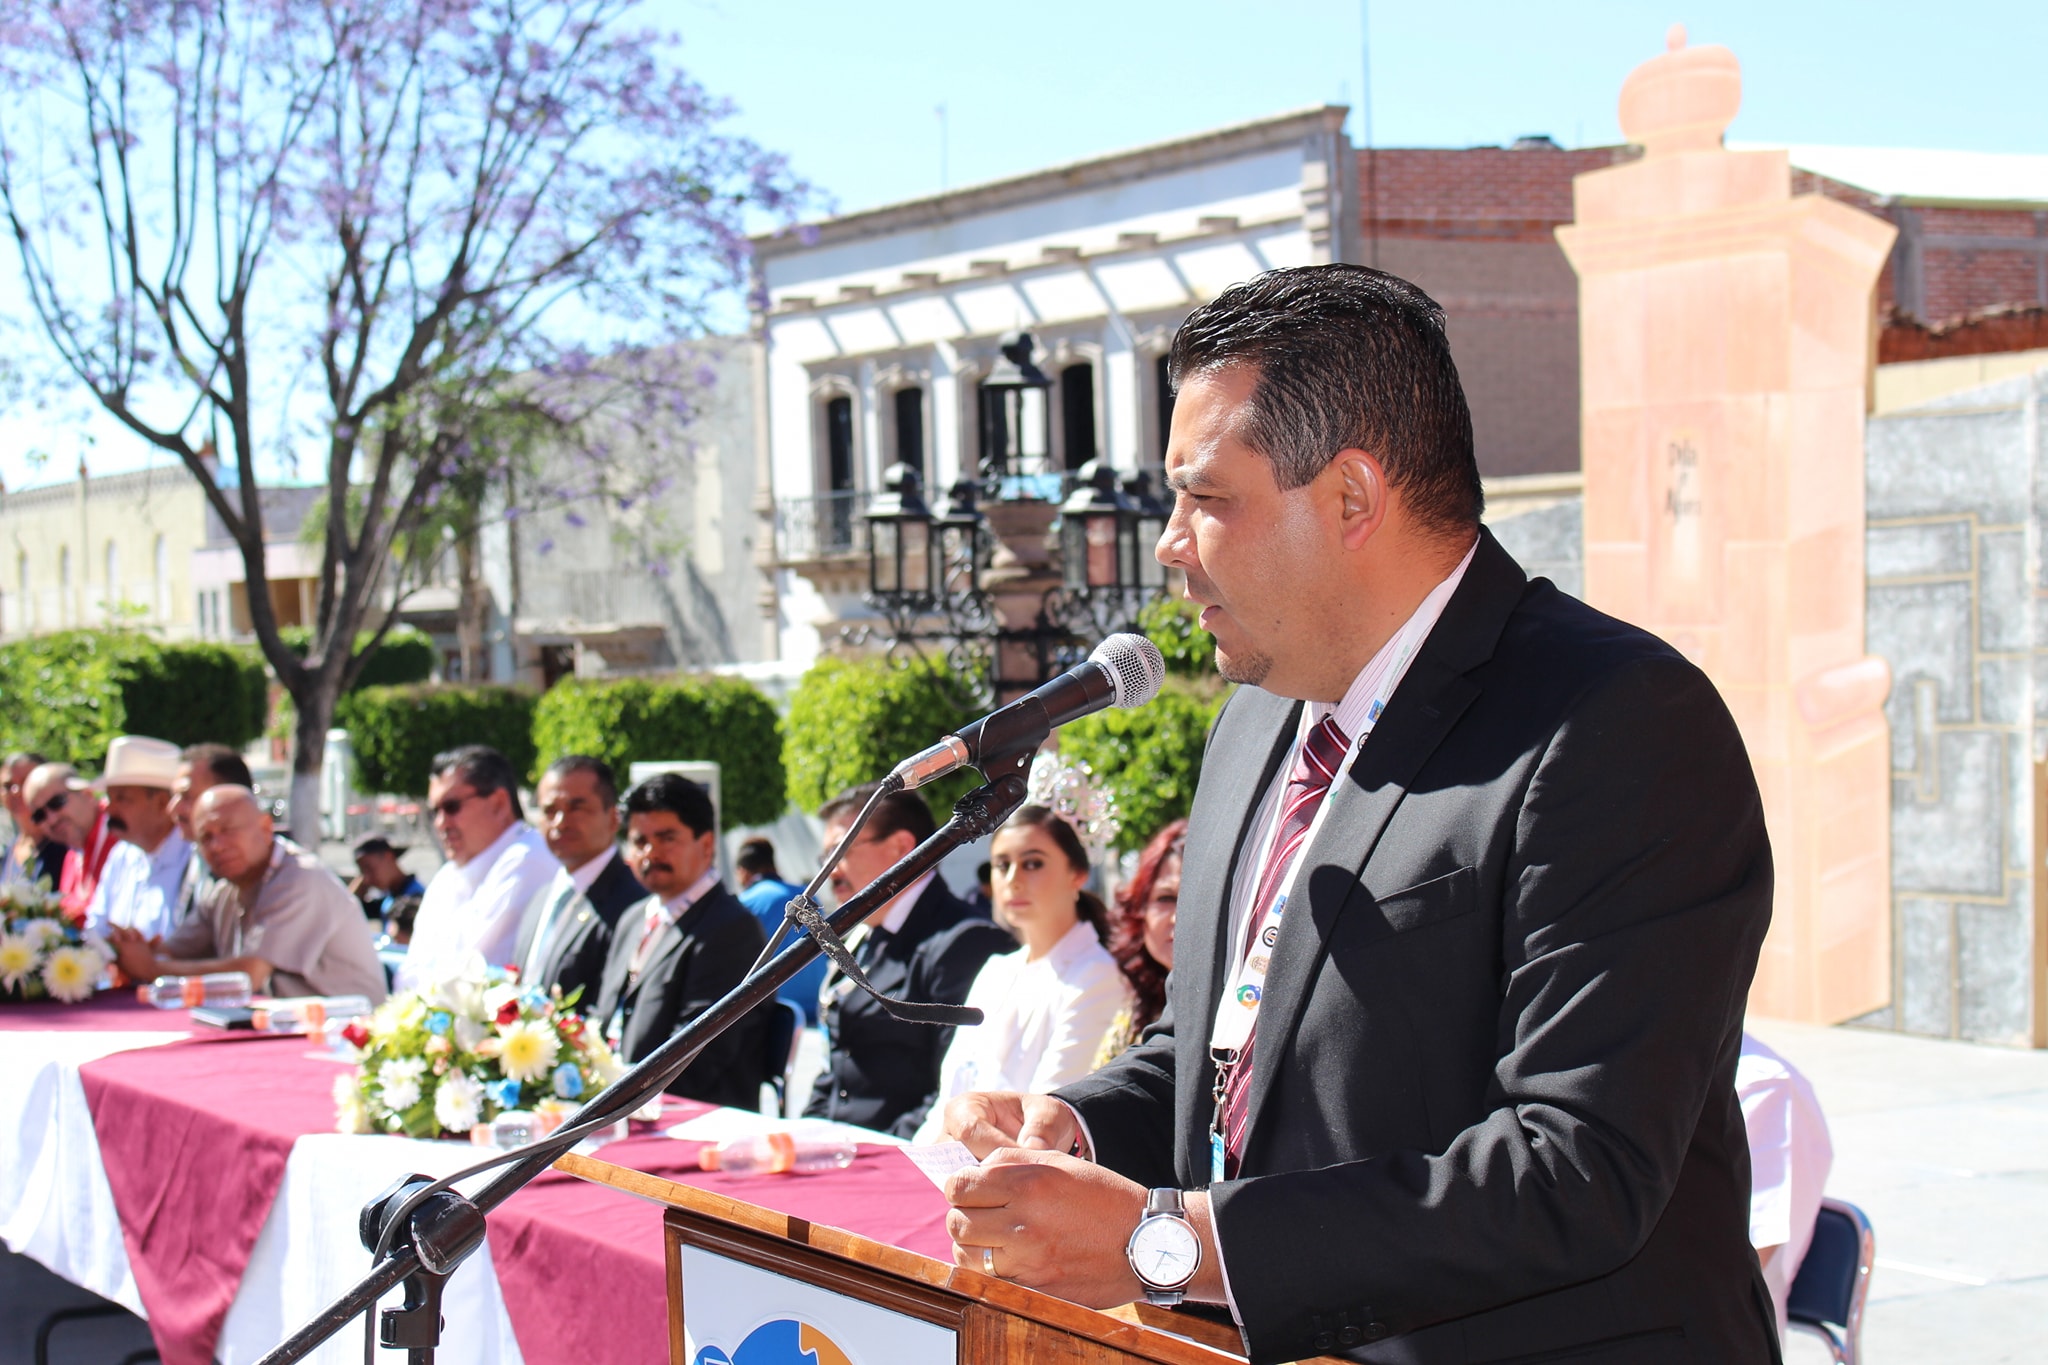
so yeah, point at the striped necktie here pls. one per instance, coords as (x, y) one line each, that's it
(1315, 767)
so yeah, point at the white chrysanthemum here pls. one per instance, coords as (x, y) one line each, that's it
(458, 1103)
(603, 1060)
(44, 933)
(498, 996)
(349, 1114)
(527, 1052)
(69, 974)
(399, 1079)
(18, 959)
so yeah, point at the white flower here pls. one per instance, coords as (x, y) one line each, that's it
(70, 974)
(17, 960)
(602, 1059)
(458, 1103)
(399, 1079)
(349, 1114)
(470, 1033)
(498, 996)
(44, 933)
(526, 1052)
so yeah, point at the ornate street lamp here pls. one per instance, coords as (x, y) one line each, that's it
(1013, 410)
(1148, 526)
(900, 560)
(1098, 529)
(960, 533)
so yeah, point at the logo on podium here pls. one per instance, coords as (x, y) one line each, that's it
(785, 1341)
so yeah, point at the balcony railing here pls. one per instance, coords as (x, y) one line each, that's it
(825, 526)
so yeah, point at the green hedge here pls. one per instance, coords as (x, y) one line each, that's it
(396, 731)
(852, 722)
(1190, 651)
(68, 694)
(406, 656)
(1150, 755)
(626, 720)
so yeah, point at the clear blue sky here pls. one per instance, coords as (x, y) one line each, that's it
(849, 88)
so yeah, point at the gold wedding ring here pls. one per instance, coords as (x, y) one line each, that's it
(988, 1262)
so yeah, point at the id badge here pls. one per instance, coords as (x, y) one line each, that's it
(1215, 1157)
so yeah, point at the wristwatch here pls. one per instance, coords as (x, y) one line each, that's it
(1164, 1250)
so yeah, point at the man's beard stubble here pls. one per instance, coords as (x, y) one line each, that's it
(1249, 669)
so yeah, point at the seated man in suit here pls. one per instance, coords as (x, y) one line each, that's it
(565, 937)
(1474, 884)
(924, 946)
(681, 949)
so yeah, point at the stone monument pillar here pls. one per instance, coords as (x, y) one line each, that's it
(1726, 342)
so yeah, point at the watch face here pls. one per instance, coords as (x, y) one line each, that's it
(1164, 1252)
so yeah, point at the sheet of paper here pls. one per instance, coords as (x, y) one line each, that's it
(939, 1159)
(721, 1125)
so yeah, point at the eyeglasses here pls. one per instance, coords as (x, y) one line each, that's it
(448, 807)
(48, 808)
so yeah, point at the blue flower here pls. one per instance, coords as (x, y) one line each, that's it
(535, 1000)
(439, 1021)
(568, 1081)
(504, 1093)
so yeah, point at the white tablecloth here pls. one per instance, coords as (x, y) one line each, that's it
(56, 1207)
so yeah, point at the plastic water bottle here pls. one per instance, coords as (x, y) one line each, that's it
(307, 1013)
(779, 1154)
(224, 990)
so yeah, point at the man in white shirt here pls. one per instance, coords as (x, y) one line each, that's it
(141, 887)
(1789, 1157)
(496, 864)
(566, 933)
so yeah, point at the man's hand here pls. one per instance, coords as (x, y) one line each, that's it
(1053, 1222)
(136, 954)
(988, 1120)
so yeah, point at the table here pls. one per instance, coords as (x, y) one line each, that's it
(195, 1182)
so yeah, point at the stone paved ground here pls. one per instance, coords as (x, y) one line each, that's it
(1945, 1146)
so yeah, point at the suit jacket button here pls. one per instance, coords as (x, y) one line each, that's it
(1375, 1330)
(1350, 1336)
(1326, 1341)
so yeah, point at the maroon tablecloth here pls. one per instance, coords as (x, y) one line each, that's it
(195, 1136)
(107, 1012)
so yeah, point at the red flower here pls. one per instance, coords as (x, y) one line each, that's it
(356, 1034)
(570, 1027)
(508, 1012)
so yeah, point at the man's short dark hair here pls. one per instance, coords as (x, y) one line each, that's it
(597, 768)
(480, 766)
(898, 811)
(223, 764)
(1346, 357)
(757, 858)
(677, 795)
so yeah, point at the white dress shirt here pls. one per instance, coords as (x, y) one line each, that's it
(565, 887)
(141, 891)
(1042, 1022)
(1789, 1157)
(475, 907)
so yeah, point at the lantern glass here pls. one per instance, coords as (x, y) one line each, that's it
(914, 555)
(885, 556)
(1099, 534)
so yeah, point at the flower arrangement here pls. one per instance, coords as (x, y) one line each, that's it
(442, 1060)
(43, 953)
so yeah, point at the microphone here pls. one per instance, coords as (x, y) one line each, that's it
(1124, 670)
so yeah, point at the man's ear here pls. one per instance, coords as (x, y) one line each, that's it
(1363, 492)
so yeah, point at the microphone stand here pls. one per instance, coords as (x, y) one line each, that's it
(430, 1231)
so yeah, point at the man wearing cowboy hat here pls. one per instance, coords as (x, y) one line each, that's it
(142, 885)
(62, 806)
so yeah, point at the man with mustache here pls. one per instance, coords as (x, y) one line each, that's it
(141, 886)
(676, 953)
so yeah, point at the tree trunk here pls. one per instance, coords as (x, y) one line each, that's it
(309, 746)
(469, 609)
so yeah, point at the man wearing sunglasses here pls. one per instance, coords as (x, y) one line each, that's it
(62, 807)
(497, 864)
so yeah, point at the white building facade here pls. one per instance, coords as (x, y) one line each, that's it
(881, 325)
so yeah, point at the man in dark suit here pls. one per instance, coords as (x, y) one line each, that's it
(925, 945)
(1474, 886)
(683, 948)
(565, 934)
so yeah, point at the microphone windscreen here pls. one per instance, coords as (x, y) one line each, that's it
(1135, 668)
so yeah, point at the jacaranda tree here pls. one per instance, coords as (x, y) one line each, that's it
(385, 239)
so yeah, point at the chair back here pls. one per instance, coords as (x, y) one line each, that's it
(785, 1027)
(1834, 1279)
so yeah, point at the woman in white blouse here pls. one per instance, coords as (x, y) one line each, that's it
(1046, 1006)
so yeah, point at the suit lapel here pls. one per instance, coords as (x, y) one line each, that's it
(1252, 737)
(1428, 702)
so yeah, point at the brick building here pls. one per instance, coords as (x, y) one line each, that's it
(1474, 226)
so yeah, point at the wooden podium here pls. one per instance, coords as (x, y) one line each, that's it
(992, 1320)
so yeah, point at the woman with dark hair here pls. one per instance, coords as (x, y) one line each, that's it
(1141, 940)
(1045, 1006)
